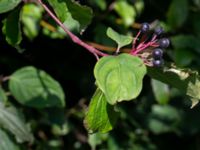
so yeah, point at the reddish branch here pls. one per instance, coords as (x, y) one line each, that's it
(136, 50)
(74, 38)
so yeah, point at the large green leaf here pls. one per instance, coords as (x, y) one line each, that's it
(121, 40)
(11, 28)
(187, 81)
(100, 116)
(6, 143)
(177, 13)
(120, 77)
(13, 121)
(7, 5)
(3, 97)
(71, 10)
(35, 88)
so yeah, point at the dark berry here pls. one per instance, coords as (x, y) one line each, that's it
(158, 63)
(158, 30)
(157, 53)
(145, 27)
(164, 43)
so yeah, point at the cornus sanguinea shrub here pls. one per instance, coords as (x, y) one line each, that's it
(119, 71)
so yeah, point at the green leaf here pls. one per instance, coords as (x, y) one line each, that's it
(102, 4)
(11, 28)
(196, 23)
(125, 11)
(3, 97)
(12, 121)
(183, 57)
(100, 116)
(161, 91)
(177, 13)
(96, 139)
(6, 143)
(163, 119)
(30, 16)
(82, 14)
(60, 9)
(71, 10)
(121, 40)
(184, 41)
(35, 88)
(7, 5)
(120, 77)
(186, 80)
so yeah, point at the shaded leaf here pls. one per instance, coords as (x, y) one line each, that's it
(11, 28)
(100, 3)
(6, 143)
(186, 80)
(184, 41)
(177, 13)
(96, 139)
(3, 97)
(183, 57)
(100, 116)
(120, 77)
(35, 88)
(7, 5)
(161, 91)
(163, 119)
(11, 120)
(121, 40)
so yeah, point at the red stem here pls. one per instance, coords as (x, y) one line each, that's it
(74, 38)
(134, 41)
(152, 43)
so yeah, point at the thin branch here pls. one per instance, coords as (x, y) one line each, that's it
(47, 26)
(118, 49)
(108, 48)
(74, 38)
(135, 40)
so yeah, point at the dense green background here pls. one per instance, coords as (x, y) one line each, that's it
(144, 124)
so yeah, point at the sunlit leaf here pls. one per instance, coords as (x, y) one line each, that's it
(121, 40)
(125, 11)
(120, 77)
(30, 16)
(78, 14)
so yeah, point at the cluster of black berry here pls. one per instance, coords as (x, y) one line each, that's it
(162, 43)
